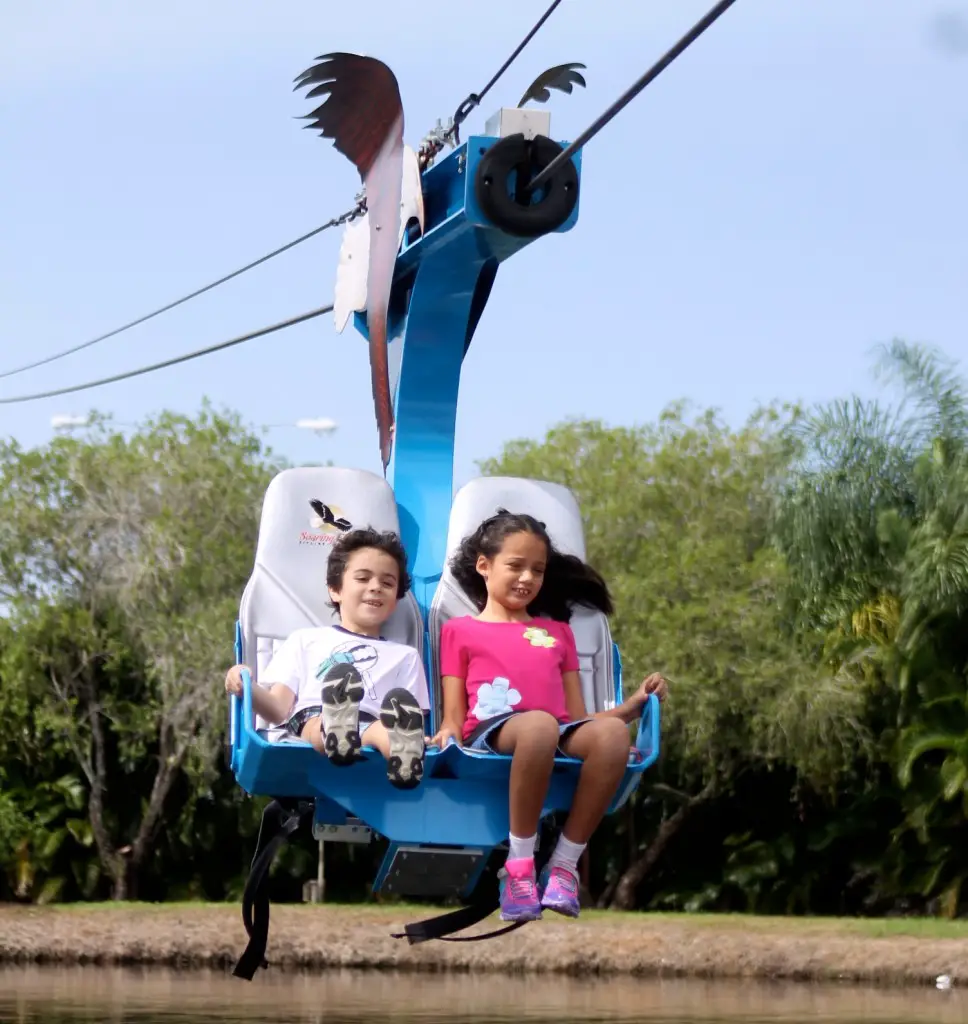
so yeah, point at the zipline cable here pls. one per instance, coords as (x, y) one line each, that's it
(335, 222)
(592, 130)
(474, 99)
(291, 322)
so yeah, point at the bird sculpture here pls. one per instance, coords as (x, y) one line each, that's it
(362, 112)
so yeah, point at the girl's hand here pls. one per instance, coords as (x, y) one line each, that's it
(447, 733)
(652, 684)
(233, 680)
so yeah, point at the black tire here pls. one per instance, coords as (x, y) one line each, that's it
(527, 217)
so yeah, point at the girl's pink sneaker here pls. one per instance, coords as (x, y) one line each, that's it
(559, 891)
(519, 891)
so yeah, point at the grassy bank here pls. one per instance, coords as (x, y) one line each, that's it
(890, 952)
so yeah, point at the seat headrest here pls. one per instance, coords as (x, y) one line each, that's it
(552, 504)
(305, 510)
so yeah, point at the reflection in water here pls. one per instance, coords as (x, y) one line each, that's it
(75, 995)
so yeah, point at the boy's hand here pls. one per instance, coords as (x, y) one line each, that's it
(448, 731)
(652, 684)
(233, 680)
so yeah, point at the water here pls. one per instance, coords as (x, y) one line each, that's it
(122, 996)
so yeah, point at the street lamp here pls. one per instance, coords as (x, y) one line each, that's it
(318, 426)
(64, 423)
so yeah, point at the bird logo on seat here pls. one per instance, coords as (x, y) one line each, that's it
(328, 518)
(327, 522)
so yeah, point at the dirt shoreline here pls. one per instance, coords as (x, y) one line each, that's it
(637, 945)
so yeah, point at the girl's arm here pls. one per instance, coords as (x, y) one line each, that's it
(454, 711)
(628, 711)
(574, 701)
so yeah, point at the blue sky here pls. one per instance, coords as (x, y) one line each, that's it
(788, 194)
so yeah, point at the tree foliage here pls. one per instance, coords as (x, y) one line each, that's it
(122, 562)
(873, 523)
(801, 580)
(677, 518)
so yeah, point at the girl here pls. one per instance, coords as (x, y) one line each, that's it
(511, 685)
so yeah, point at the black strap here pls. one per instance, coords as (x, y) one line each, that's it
(279, 822)
(443, 926)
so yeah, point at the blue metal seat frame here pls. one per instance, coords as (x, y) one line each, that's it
(442, 282)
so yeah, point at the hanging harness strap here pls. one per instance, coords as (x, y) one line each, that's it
(444, 925)
(280, 820)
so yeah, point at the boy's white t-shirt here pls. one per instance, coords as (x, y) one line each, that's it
(307, 655)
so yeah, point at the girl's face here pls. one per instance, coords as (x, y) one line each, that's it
(514, 575)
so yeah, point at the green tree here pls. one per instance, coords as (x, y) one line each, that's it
(121, 564)
(873, 524)
(677, 518)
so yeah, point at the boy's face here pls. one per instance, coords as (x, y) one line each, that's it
(368, 593)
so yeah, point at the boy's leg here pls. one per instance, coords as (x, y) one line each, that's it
(342, 692)
(401, 719)
(312, 731)
(374, 734)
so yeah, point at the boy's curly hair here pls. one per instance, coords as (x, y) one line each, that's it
(354, 540)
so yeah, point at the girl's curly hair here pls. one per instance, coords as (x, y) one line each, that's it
(568, 580)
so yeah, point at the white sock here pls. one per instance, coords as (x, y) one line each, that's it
(521, 847)
(566, 855)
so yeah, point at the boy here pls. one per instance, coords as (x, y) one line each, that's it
(340, 687)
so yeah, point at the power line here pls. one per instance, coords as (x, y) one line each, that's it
(684, 43)
(291, 322)
(335, 222)
(474, 99)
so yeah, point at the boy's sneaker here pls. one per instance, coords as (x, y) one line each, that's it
(342, 692)
(403, 720)
(519, 891)
(559, 891)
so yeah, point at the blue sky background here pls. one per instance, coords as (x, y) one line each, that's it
(789, 193)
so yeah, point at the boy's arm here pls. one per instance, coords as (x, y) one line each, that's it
(274, 704)
(272, 701)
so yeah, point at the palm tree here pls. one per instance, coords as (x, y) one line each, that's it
(873, 523)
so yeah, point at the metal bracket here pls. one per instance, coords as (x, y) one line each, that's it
(354, 831)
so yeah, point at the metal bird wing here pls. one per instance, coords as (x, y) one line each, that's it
(563, 77)
(354, 253)
(363, 115)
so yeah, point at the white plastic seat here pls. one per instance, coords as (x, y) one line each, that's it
(556, 507)
(287, 589)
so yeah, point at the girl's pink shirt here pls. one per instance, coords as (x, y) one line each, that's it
(508, 666)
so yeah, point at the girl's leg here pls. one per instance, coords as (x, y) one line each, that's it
(531, 737)
(603, 744)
